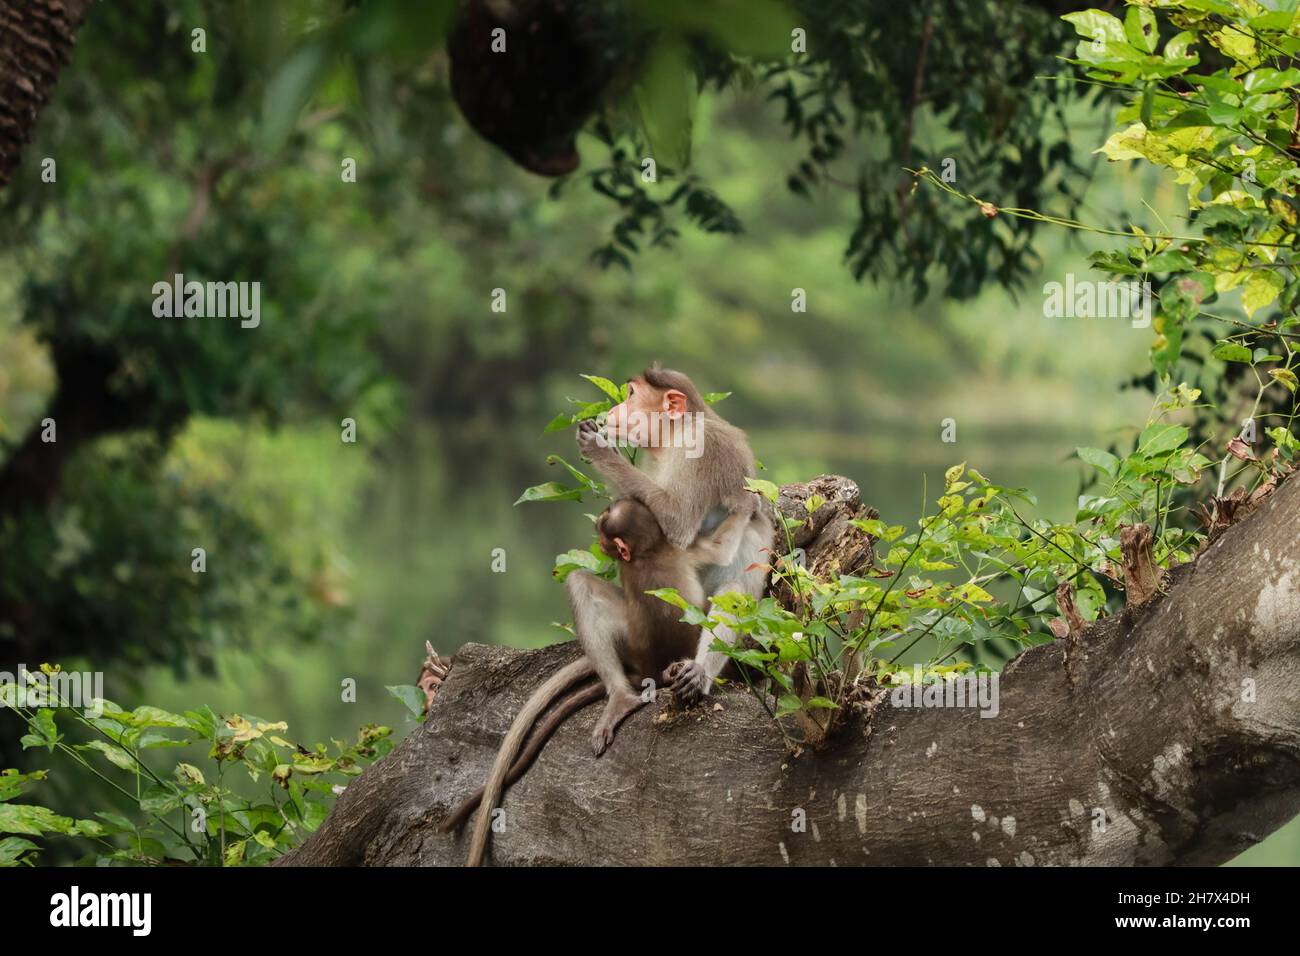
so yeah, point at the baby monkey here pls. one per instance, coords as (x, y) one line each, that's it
(656, 643)
(650, 641)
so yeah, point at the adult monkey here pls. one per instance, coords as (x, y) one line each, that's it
(698, 463)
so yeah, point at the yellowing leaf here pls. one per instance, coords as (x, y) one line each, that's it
(1236, 44)
(767, 489)
(244, 731)
(1126, 144)
(1285, 376)
(973, 592)
(1263, 286)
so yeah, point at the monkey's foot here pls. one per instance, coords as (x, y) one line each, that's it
(688, 681)
(616, 708)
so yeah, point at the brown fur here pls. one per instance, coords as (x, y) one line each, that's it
(656, 635)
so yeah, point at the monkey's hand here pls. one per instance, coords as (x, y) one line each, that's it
(592, 443)
(688, 680)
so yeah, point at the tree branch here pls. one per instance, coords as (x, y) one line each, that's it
(1177, 742)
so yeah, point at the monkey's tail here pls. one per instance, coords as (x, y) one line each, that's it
(542, 698)
(576, 700)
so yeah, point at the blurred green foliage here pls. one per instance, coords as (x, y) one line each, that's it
(182, 816)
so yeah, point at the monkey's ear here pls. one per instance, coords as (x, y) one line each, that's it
(674, 402)
(624, 551)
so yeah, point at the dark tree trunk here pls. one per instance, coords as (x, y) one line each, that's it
(36, 38)
(1149, 751)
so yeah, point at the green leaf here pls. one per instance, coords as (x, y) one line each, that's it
(1096, 25)
(1267, 80)
(1232, 352)
(1140, 29)
(1160, 439)
(1165, 356)
(158, 800)
(1179, 46)
(88, 828)
(45, 732)
(410, 696)
(582, 478)
(152, 739)
(31, 820)
(550, 491)
(1099, 459)
(671, 596)
(288, 92)
(11, 848)
(116, 755)
(116, 822)
(615, 392)
(1170, 260)
(585, 560)
(1220, 217)
(156, 717)
(558, 423)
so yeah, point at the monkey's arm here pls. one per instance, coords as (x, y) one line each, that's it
(721, 546)
(679, 516)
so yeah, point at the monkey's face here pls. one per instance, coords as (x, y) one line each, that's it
(637, 421)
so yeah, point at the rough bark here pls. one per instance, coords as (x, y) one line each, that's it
(36, 39)
(1174, 740)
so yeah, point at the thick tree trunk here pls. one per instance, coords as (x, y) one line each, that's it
(36, 38)
(1173, 739)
